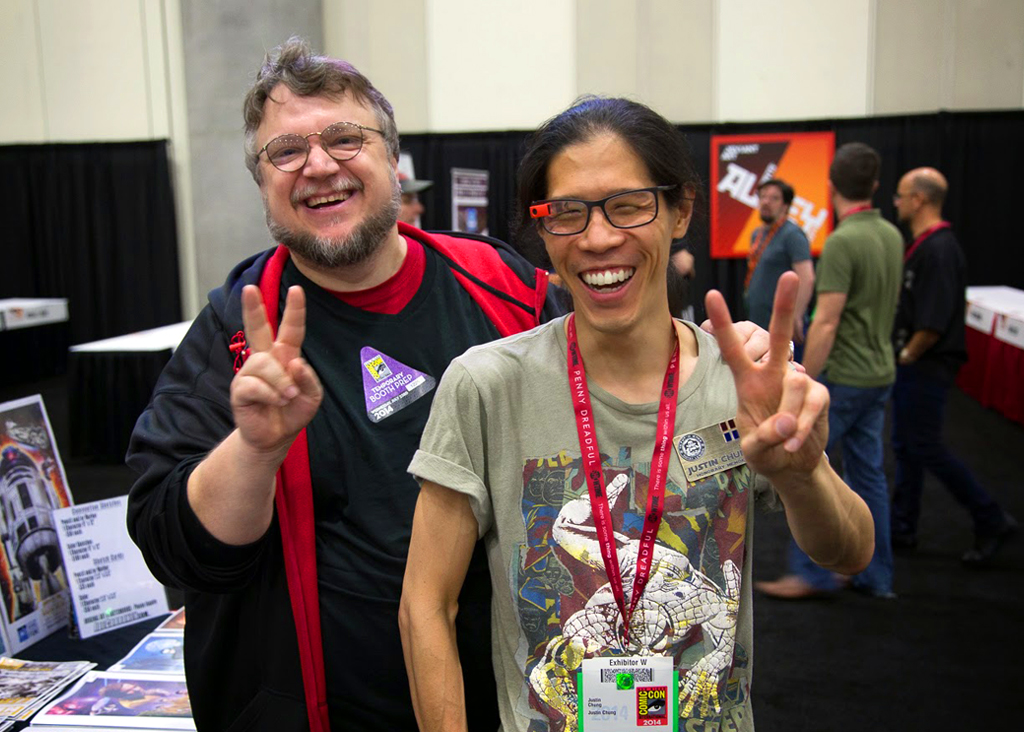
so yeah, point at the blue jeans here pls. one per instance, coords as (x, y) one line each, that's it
(856, 419)
(919, 402)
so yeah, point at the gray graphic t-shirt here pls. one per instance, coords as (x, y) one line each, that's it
(502, 431)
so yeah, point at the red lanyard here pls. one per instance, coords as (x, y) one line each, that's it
(857, 209)
(924, 235)
(595, 475)
(764, 237)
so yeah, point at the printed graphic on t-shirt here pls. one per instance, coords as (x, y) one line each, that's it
(688, 610)
(390, 386)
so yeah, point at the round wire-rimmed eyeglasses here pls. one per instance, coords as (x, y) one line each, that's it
(342, 141)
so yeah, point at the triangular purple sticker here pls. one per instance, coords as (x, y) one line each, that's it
(389, 385)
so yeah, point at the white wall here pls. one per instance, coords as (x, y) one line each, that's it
(103, 70)
(389, 38)
(657, 51)
(805, 59)
(501, 64)
(493, 65)
(89, 70)
(23, 118)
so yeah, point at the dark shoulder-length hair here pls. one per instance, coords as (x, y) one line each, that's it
(660, 145)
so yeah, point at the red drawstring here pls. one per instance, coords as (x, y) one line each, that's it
(240, 349)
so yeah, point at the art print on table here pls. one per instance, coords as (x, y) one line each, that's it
(122, 700)
(175, 622)
(33, 583)
(156, 653)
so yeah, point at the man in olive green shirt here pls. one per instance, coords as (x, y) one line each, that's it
(849, 349)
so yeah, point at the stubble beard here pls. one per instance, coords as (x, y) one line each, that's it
(329, 253)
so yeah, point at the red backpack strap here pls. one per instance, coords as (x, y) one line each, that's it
(294, 503)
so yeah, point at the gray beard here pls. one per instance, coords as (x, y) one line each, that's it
(327, 254)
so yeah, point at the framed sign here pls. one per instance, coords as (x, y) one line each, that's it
(469, 200)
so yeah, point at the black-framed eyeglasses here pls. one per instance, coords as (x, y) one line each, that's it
(626, 210)
(342, 141)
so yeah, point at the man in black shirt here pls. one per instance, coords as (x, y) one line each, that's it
(272, 455)
(928, 335)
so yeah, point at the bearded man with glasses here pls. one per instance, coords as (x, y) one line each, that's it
(272, 456)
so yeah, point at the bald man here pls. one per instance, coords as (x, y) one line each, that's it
(928, 337)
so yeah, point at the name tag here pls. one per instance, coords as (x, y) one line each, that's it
(710, 450)
(627, 693)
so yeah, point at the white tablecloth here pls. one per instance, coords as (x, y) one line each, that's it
(21, 312)
(156, 339)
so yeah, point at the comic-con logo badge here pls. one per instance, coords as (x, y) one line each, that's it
(691, 447)
(377, 368)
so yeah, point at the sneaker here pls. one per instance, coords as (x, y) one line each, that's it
(986, 545)
(790, 587)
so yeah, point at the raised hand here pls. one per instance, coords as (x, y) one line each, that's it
(275, 393)
(782, 414)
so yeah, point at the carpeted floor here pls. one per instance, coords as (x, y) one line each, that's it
(943, 656)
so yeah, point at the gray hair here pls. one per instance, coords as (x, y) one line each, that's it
(294, 64)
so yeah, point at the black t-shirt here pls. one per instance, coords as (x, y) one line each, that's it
(933, 298)
(379, 374)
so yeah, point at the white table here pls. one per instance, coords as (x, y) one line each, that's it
(110, 382)
(21, 312)
(994, 373)
(164, 338)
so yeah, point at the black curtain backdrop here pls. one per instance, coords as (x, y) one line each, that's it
(981, 154)
(93, 223)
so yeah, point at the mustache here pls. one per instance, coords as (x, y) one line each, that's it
(337, 185)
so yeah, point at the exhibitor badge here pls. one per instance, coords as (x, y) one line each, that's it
(710, 450)
(622, 693)
(390, 386)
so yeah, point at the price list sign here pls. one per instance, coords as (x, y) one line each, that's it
(110, 583)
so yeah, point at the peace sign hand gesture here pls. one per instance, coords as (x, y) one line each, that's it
(276, 393)
(782, 414)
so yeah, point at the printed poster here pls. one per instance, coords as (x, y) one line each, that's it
(469, 200)
(740, 163)
(33, 582)
(159, 652)
(175, 622)
(122, 700)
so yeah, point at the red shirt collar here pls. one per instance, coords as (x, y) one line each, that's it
(390, 296)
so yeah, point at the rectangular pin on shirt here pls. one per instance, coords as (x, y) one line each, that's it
(709, 450)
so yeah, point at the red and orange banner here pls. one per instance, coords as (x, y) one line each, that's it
(740, 163)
